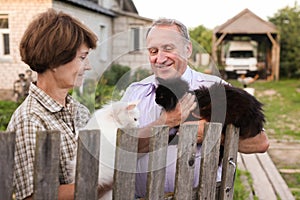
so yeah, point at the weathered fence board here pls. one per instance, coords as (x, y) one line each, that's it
(87, 168)
(229, 162)
(46, 165)
(157, 162)
(187, 144)
(210, 151)
(7, 149)
(125, 164)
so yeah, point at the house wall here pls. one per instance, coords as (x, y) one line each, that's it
(102, 27)
(113, 34)
(20, 13)
(122, 42)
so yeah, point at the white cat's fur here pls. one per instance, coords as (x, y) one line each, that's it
(108, 119)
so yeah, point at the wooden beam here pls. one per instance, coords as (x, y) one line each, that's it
(215, 46)
(275, 56)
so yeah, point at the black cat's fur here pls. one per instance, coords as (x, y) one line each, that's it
(230, 105)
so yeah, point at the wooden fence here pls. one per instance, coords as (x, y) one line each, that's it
(47, 164)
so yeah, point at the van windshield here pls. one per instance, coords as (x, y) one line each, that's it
(241, 54)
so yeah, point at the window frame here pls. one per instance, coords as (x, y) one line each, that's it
(5, 45)
(136, 38)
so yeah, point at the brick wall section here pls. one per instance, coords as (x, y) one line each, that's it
(20, 13)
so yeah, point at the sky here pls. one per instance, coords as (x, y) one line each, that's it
(209, 13)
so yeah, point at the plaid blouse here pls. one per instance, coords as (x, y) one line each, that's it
(40, 112)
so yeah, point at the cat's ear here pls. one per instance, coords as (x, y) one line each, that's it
(132, 105)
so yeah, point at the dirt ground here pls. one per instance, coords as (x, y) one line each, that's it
(286, 157)
(285, 154)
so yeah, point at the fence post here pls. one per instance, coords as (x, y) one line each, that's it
(187, 146)
(210, 151)
(87, 165)
(125, 164)
(46, 165)
(7, 149)
(157, 162)
(229, 162)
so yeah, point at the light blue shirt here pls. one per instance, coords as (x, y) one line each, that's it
(150, 111)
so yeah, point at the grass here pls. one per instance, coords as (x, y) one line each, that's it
(281, 101)
(240, 189)
(294, 180)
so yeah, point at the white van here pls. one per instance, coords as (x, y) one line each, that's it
(241, 59)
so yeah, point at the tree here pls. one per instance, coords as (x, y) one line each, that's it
(203, 37)
(287, 21)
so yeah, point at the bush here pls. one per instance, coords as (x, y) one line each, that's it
(114, 74)
(6, 110)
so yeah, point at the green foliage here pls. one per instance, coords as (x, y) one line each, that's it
(109, 88)
(202, 36)
(114, 81)
(114, 74)
(240, 192)
(6, 110)
(86, 96)
(287, 20)
(105, 93)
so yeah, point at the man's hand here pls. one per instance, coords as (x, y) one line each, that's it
(173, 118)
(200, 124)
(183, 108)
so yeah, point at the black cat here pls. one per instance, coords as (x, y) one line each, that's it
(218, 103)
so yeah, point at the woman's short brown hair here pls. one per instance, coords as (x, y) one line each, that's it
(52, 39)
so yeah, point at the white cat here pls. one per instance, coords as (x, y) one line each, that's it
(108, 119)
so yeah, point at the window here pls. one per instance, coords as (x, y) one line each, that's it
(135, 41)
(4, 35)
(103, 43)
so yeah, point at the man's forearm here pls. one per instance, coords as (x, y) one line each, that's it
(257, 144)
(66, 192)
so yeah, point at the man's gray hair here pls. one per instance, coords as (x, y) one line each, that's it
(169, 22)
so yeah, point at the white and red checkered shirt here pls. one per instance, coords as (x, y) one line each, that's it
(40, 112)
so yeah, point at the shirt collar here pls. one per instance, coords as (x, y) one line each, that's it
(49, 103)
(187, 75)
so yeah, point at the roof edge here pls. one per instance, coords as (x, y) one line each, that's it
(243, 12)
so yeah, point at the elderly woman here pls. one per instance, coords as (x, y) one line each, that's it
(56, 46)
